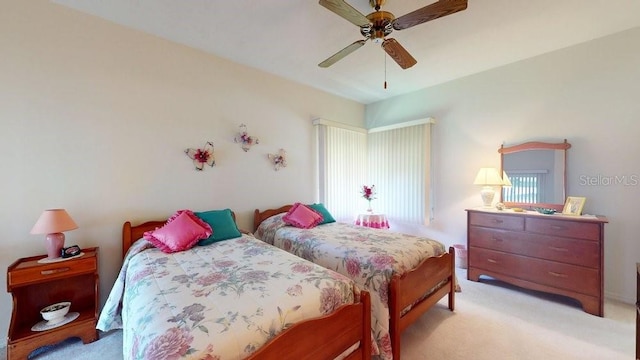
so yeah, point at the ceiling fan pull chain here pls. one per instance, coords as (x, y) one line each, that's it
(385, 70)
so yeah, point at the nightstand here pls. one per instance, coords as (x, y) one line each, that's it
(34, 285)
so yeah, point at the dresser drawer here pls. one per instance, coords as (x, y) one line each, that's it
(46, 272)
(562, 276)
(497, 221)
(567, 228)
(571, 251)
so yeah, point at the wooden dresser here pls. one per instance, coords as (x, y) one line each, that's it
(551, 253)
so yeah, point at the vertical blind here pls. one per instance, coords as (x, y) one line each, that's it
(526, 187)
(342, 158)
(395, 159)
(399, 167)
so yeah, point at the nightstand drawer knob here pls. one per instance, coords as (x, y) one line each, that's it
(54, 271)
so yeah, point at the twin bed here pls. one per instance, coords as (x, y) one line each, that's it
(333, 290)
(405, 275)
(233, 299)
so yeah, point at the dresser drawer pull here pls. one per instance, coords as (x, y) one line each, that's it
(557, 274)
(558, 227)
(492, 261)
(496, 239)
(558, 249)
(54, 271)
(498, 221)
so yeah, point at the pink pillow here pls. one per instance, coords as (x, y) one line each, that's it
(181, 232)
(302, 216)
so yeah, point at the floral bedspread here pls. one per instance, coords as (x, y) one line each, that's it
(369, 256)
(221, 301)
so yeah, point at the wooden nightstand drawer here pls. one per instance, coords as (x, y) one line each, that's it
(26, 275)
(497, 221)
(573, 229)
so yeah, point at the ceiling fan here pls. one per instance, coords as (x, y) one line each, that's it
(377, 25)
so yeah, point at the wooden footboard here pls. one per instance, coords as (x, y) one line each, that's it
(434, 276)
(326, 337)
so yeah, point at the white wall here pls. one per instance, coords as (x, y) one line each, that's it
(94, 118)
(587, 94)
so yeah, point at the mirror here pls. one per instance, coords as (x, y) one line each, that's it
(537, 173)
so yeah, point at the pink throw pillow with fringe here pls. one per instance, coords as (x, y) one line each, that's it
(302, 216)
(181, 232)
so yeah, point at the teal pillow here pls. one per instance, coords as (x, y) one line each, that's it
(223, 225)
(326, 216)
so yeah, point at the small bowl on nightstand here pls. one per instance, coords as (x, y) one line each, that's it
(55, 313)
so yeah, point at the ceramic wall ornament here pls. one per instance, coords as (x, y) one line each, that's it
(244, 139)
(279, 160)
(202, 157)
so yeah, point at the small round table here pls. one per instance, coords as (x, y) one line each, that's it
(372, 220)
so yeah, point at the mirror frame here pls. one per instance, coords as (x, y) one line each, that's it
(536, 145)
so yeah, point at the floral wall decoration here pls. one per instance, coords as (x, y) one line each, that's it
(202, 156)
(244, 139)
(279, 160)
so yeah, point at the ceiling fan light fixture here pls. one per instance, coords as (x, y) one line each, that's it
(379, 24)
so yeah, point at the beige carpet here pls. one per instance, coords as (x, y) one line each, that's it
(492, 321)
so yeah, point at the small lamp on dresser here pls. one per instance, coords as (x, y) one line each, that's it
(53, 222)
(488, 178)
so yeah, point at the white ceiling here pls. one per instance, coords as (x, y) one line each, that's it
(289, 38)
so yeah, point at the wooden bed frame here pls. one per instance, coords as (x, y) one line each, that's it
(316, 339)
(406, 289)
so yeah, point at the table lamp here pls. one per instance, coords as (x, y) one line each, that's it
(488, 178)
(53, 222)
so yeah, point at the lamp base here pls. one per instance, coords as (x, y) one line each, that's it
(54, 244)
(487, 193)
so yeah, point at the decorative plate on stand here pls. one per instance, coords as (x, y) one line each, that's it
(44, 324)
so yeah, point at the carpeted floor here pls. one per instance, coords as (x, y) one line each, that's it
(492, 321)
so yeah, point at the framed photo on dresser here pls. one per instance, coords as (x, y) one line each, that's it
(573, 205)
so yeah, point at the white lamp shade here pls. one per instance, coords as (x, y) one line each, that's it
(53, 221)
(488, 177)
(505, 179)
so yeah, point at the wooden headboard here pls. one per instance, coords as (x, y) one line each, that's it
(131, 234)
(259, 217)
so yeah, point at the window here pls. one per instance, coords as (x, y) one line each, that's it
(396, 159)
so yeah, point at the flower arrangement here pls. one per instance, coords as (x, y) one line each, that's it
(202, 156)
(244, 139)
(368, 193)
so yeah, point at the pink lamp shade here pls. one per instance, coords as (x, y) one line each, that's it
(53, 222)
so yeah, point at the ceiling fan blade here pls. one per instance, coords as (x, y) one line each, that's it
(428, 13)
(346, 11)
(398, 53)
(342, 53)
